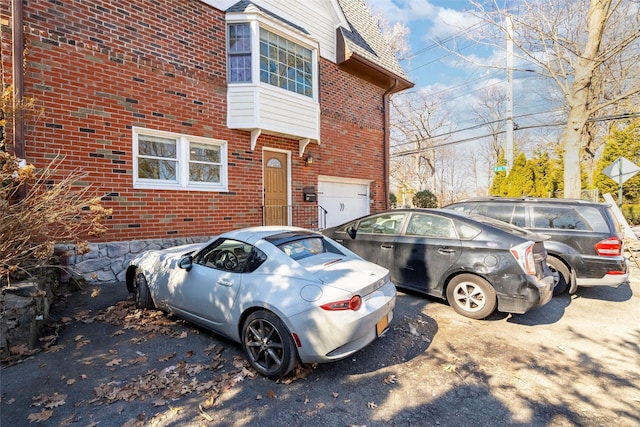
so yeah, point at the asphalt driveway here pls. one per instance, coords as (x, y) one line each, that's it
(573, 362)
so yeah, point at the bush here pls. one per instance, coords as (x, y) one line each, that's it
(425, 199)
(631, 213)
(37, 212)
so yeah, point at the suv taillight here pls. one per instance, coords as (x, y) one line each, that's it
(609, 247)
(523, 253)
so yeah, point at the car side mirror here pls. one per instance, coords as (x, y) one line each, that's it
(351, 231)
(186, 262)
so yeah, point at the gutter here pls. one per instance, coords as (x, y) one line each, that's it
(17, 24)
(387, 139)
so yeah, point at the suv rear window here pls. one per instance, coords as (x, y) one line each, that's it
(567, 218)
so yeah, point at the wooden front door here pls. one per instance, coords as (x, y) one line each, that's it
(276, 189)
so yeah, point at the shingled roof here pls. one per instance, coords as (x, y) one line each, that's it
(364, 42)
(361, 48)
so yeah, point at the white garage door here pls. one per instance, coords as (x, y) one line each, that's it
(343, 200)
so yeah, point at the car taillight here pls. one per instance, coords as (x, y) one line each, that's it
(609, 247)
(351, 304)
(523, 253)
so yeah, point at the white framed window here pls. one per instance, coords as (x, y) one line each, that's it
(172, 161)
(257, 53)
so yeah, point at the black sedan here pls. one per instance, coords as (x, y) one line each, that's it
(476, 263)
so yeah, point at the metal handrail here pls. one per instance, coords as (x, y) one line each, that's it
(311, 216)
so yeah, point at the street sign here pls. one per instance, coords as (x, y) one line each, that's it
(499, 168)
(620, 170)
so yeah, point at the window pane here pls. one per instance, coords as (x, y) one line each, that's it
(157, 169)
(157, 157)
(204, 162)
(239, 52)
(285, 64)
(204, 152)
(202, 172)
(156, 146)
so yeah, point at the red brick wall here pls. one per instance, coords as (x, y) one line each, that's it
(98, 69)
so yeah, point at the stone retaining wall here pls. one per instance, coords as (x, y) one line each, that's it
(108, 262)
(24, 310)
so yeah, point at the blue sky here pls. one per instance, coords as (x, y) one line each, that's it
(431, 22)
(462, 84)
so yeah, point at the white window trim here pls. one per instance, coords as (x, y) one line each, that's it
(257, 21)
(182, 182)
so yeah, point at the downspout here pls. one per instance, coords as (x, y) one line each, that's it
(17, 65)
(387, 138)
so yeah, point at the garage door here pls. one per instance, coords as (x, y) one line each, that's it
(343, 200)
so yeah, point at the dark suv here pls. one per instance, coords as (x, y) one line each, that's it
(586, 241)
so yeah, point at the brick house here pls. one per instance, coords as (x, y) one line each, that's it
(194, 117)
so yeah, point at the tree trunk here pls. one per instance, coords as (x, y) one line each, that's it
(586, 66)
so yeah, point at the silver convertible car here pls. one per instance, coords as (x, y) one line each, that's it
(289, 295)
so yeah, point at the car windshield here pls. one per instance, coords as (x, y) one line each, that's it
(303, 248)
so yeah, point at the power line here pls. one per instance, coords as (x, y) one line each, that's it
(563, 123)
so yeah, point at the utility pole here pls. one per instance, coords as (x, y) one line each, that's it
(508, 149)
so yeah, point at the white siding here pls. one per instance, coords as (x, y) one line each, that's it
(318, 17)
(253, 107)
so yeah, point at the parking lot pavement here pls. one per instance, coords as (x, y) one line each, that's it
(572, 362)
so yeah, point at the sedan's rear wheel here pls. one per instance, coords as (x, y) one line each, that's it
(563, 277)
(471, 296)
(269, 345)
(143, 294)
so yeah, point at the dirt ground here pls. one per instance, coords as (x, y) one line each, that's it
(573, 362)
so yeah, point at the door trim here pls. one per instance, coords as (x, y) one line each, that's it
(288, 153)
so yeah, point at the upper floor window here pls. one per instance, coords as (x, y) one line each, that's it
(165, 160)
(239, 52)
(283, 62)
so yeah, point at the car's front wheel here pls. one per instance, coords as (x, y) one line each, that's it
(471, 296)
(561, 281)
(269, 345)
(142, 292)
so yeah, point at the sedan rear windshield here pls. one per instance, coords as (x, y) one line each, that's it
(303, 248)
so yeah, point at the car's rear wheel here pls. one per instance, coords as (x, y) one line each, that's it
(143, 294)
(471, 296)
(269, 345)
(563, 277)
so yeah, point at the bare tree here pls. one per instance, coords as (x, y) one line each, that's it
(419, 123)
(590, 50)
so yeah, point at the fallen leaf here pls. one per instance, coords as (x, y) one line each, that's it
(20, 350)
(183, 335)
(371, 405)
(390, 379)
(159, 402)
(114, 362)
(335, 395)
(271, 394)
(449, 368)
(70, 381)
(54, 348)
(95, 292)
(189, 353)
(167, 357)
(43, 415)
(259, 397)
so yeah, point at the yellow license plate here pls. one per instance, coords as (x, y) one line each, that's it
(382, 325)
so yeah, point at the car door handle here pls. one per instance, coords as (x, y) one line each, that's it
(386, 246)
(225, 282)
(446, 251)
